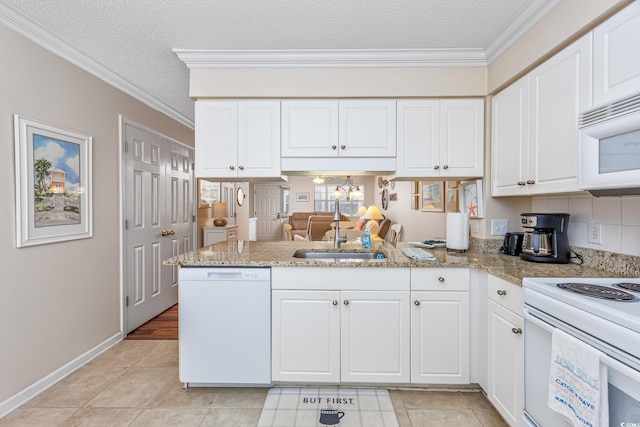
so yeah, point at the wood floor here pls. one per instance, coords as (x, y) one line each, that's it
(162, 327)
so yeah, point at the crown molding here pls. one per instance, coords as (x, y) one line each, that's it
(524, 21)
(351, 58)
(41, 36)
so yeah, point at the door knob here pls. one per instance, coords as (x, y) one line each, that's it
(440, 279)
(241, 168)
(334, 302)
(521, 183)
(333, 147)
(530, 181)
(346, 302)
(436, 167)
(232, 168)
(416, 302)
(501, 292)
(445, 167)
(516, 330)
(343, 147)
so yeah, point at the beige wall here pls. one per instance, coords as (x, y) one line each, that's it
(60, 300)
(337, 82)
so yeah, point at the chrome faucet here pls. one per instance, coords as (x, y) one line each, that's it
(336, 218)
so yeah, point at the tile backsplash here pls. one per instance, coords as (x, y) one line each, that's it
(619, 216)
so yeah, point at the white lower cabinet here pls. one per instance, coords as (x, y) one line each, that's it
(505, 349)
(340, 336)
(440, 326)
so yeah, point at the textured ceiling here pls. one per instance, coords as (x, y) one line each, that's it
(134, 38)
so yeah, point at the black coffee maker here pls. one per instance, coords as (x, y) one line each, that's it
(545, 238)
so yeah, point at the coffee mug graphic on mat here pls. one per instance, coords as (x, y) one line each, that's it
(330, 417)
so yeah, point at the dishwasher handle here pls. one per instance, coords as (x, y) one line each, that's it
(225, 275)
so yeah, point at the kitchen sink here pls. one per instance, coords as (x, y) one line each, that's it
(323, 253)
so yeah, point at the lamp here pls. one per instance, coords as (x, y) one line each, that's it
(318, 180)
(219, 211)
(361, 211)
(349, 188)
(373, 213)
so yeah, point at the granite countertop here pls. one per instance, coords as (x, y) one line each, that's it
(280, 254)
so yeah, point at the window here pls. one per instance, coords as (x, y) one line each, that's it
(324, 200)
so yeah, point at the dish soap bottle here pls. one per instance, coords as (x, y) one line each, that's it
(366, 240)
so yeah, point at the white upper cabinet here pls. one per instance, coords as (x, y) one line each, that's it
(309, 128)
(367, 128)
(534, 135)
(440, 138)
(616, 57)
(238, 139)
(362, 128)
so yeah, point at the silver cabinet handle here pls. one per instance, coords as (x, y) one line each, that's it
(501, 292)
(516, 330)
(241, 168)
(416, 302)
(445, 167)
(334, 302)
(346, 302)
(530, 181)
(333, 147)
(521, 183)
(232, 167)
(440, 279)
(436, 167)
(343, 147)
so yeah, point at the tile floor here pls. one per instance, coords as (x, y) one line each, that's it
(135, 383)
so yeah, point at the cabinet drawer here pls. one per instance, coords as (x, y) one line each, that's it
(440, 279)
(506, 294)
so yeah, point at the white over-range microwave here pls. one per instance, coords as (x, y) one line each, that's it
(610, 149)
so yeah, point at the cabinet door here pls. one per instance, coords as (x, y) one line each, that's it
(375, 336)
(509, 133)
(418, 134)
(309, 128)
(258, 139)
(505, 374)
(367, 128)
(559, 89)
(213, 235)
(305, 336)
(216, 139)
(440, 337)
(616, 57)
(461, 138)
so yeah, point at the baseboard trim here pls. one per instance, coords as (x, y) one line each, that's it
(20, 398)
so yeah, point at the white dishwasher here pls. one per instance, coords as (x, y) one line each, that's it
(224, 326)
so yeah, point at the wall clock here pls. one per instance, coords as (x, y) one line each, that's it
(240, 196)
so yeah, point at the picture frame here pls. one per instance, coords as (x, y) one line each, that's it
(452, 200)
(470, 194)
(209, 192)
(393, 197)
(453, 184)
(53, 183)
(302, 197)
(433, 196)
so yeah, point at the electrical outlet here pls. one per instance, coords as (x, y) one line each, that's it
(594, 233)
(499, 227)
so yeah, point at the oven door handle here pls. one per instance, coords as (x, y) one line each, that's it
(604, 358)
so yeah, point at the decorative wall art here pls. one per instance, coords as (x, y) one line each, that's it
(415, 201)
(302, 197)
(53, 183)
(393, 197)
(433, 196)
(385, 199)
(471, 198)
(209, 192)
(452, 200)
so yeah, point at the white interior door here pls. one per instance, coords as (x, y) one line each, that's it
(158, 213)
(268, 204)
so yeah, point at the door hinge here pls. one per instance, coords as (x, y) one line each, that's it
(126, 301)
(193, 218)
(126, 224)
(193, 166)
(126, 147)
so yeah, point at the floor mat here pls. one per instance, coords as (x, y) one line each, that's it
(317, 407)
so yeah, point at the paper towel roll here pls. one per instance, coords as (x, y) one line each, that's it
(458, 230)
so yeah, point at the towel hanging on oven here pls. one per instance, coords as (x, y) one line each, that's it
(578, 385)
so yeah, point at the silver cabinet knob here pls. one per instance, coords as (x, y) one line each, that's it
(241, 168)
(445, 167)
(416, 302)
(436, 167)
(516, 330)
(530, 181)
(334, 302)
(333, 147)
(232, 167)
(440, 279)
(346, 302)
(521, 183)
(343, 147)
(501, 292)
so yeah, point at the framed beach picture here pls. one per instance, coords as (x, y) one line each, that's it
(302, 197)
(53, 183)
(452, 200)
(433, 196)
(470, 193)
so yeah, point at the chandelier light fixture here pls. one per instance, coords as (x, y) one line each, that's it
(349, 188)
